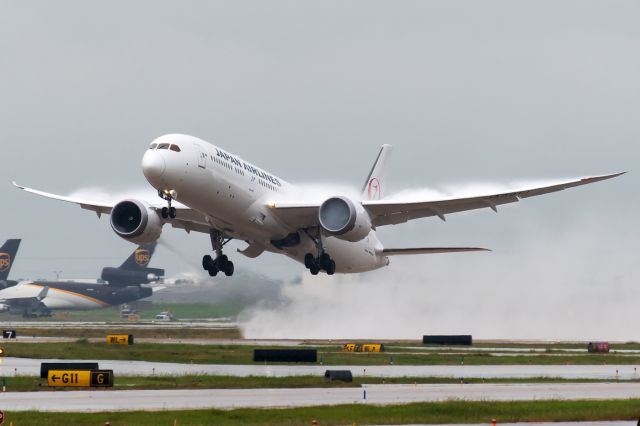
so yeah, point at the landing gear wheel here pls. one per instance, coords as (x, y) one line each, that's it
(228, 270)
(222, 261)
(314, 270)
(325, 261)
(207, 262)
(332, 267)
(164, 212)
(309, 260)
(172, 212)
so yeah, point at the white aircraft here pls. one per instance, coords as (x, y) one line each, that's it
(229, 198)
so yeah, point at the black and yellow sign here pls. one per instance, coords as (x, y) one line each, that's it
(81, 378)
(362, 347)
(120, 339)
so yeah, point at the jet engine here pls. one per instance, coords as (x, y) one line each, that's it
(133, 293)
(344, 219)
(135, 221)
(118, 277)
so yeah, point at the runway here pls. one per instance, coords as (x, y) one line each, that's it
(31, 367)
(122, 400)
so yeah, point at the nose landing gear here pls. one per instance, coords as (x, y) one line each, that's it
(167, 212)
(221, 263)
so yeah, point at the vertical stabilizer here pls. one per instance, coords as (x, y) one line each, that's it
(140, 258)
(374, 186)
(7, 257)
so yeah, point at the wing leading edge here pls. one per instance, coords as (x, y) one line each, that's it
(188, 219)
(391, 212)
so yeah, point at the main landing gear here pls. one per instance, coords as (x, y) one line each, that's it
(167, 212)
(320, 262)
(221, 263)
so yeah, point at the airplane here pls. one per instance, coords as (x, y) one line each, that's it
(207, 189)
(8, 253)
(120, 285)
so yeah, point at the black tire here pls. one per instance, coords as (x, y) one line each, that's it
(332, 267)
(309, 260)
(228, 270)
(314, 270)
(207, 262)
(213, 271)
(164, 212)
(222, 261)
(172, 212)
(325, 261)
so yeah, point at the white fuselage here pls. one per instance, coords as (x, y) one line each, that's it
(234, 195)
(56, 298)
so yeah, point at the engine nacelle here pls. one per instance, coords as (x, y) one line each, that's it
(135, 221)
(342, 218)
(118, 277)
(133, 293)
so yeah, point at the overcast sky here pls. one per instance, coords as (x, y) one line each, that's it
(467, 92)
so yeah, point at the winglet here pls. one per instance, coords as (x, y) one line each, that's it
(43, 293)
(373, 186)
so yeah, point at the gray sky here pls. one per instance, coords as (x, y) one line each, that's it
(467, 92)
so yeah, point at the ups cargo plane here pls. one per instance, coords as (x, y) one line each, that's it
(39, 298)
(207, 189)
(8, 253)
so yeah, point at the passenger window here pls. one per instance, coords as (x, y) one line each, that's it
(175, 148)
(163, 146)
(153, 146)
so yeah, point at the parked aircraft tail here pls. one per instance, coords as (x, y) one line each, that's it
(375, 184)
(7, 257)
(134, 270)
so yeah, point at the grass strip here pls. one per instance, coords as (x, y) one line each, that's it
(31, 384)
(139, 332)
(424, 413)
(243, 354)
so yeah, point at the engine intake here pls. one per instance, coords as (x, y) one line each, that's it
(135, 221)
(341, 217)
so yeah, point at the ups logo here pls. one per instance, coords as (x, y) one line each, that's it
(142, 257)
(5, 261)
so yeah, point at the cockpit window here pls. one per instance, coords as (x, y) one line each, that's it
(163, 146)
(153, 146)
(175, 148)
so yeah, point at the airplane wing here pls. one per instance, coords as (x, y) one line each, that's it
(391, 212)
(188, 219)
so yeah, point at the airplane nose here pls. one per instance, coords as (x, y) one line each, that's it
(152, 165)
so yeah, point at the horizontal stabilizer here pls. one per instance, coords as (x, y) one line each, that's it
(428, 250)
